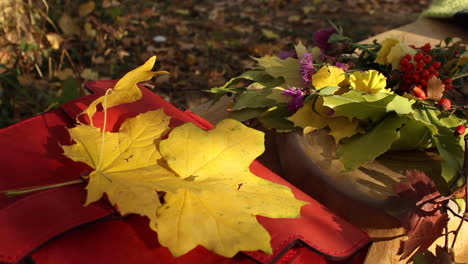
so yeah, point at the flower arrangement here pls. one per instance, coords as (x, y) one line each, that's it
(374, 97)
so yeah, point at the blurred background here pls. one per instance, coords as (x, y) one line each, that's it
(50, 48)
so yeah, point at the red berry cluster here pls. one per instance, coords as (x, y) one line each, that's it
(418, 70)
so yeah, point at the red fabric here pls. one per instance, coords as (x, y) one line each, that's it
(31, 155)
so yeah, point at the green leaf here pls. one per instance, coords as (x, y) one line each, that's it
(259, 76)
(368, 106)
(300, 50)
(450, 120)
(288, 69)
(449, 146)
(360, 149)
(275, 118)
(413, 135)
(277, 95)
(452, 154)
(329, 90)
(254, 98)
(247, 113)
(70, 90)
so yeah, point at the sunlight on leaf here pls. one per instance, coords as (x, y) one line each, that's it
(126, 89)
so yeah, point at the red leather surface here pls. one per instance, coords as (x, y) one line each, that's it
(62, 208)
(31, 155)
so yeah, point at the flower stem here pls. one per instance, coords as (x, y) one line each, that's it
(460, 76)
(364, 48)
(10, 193)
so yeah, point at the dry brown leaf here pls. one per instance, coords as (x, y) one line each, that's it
(294, 18)
(5, 58)
(64, 74)
(89, 30)
(26, 79)
(435, 88)
(98, 60)
(309, 9)
(55, 40)
(162, 79)
(89, 74)
(110, 3)
(68, 25)
(86, 8)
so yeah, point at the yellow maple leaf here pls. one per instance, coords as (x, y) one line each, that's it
(311, 120)
(210, 196)
(216, 205)
(387, 46)
(397, 52)
(126, 167)
(342, 127)
(126, 89)
(328, 76)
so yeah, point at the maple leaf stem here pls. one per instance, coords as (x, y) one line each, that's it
(11, 193)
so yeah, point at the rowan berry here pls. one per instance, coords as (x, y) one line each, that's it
(418, 57)
(426, 47)
(419, 92)
(461, 129)
(444, 104)
(427, 59)
(424, 82)
(404, 61)
(436, 65)
(448, 83)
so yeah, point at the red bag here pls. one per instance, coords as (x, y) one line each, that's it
(53, 226)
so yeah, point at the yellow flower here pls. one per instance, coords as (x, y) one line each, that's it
(328, 76)
(370, 81)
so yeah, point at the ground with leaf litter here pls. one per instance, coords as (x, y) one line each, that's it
(201, 43)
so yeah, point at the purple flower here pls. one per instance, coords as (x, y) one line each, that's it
(321, 37)
(297, 98)
(341, 65)
(307, 68)
(287, 54)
